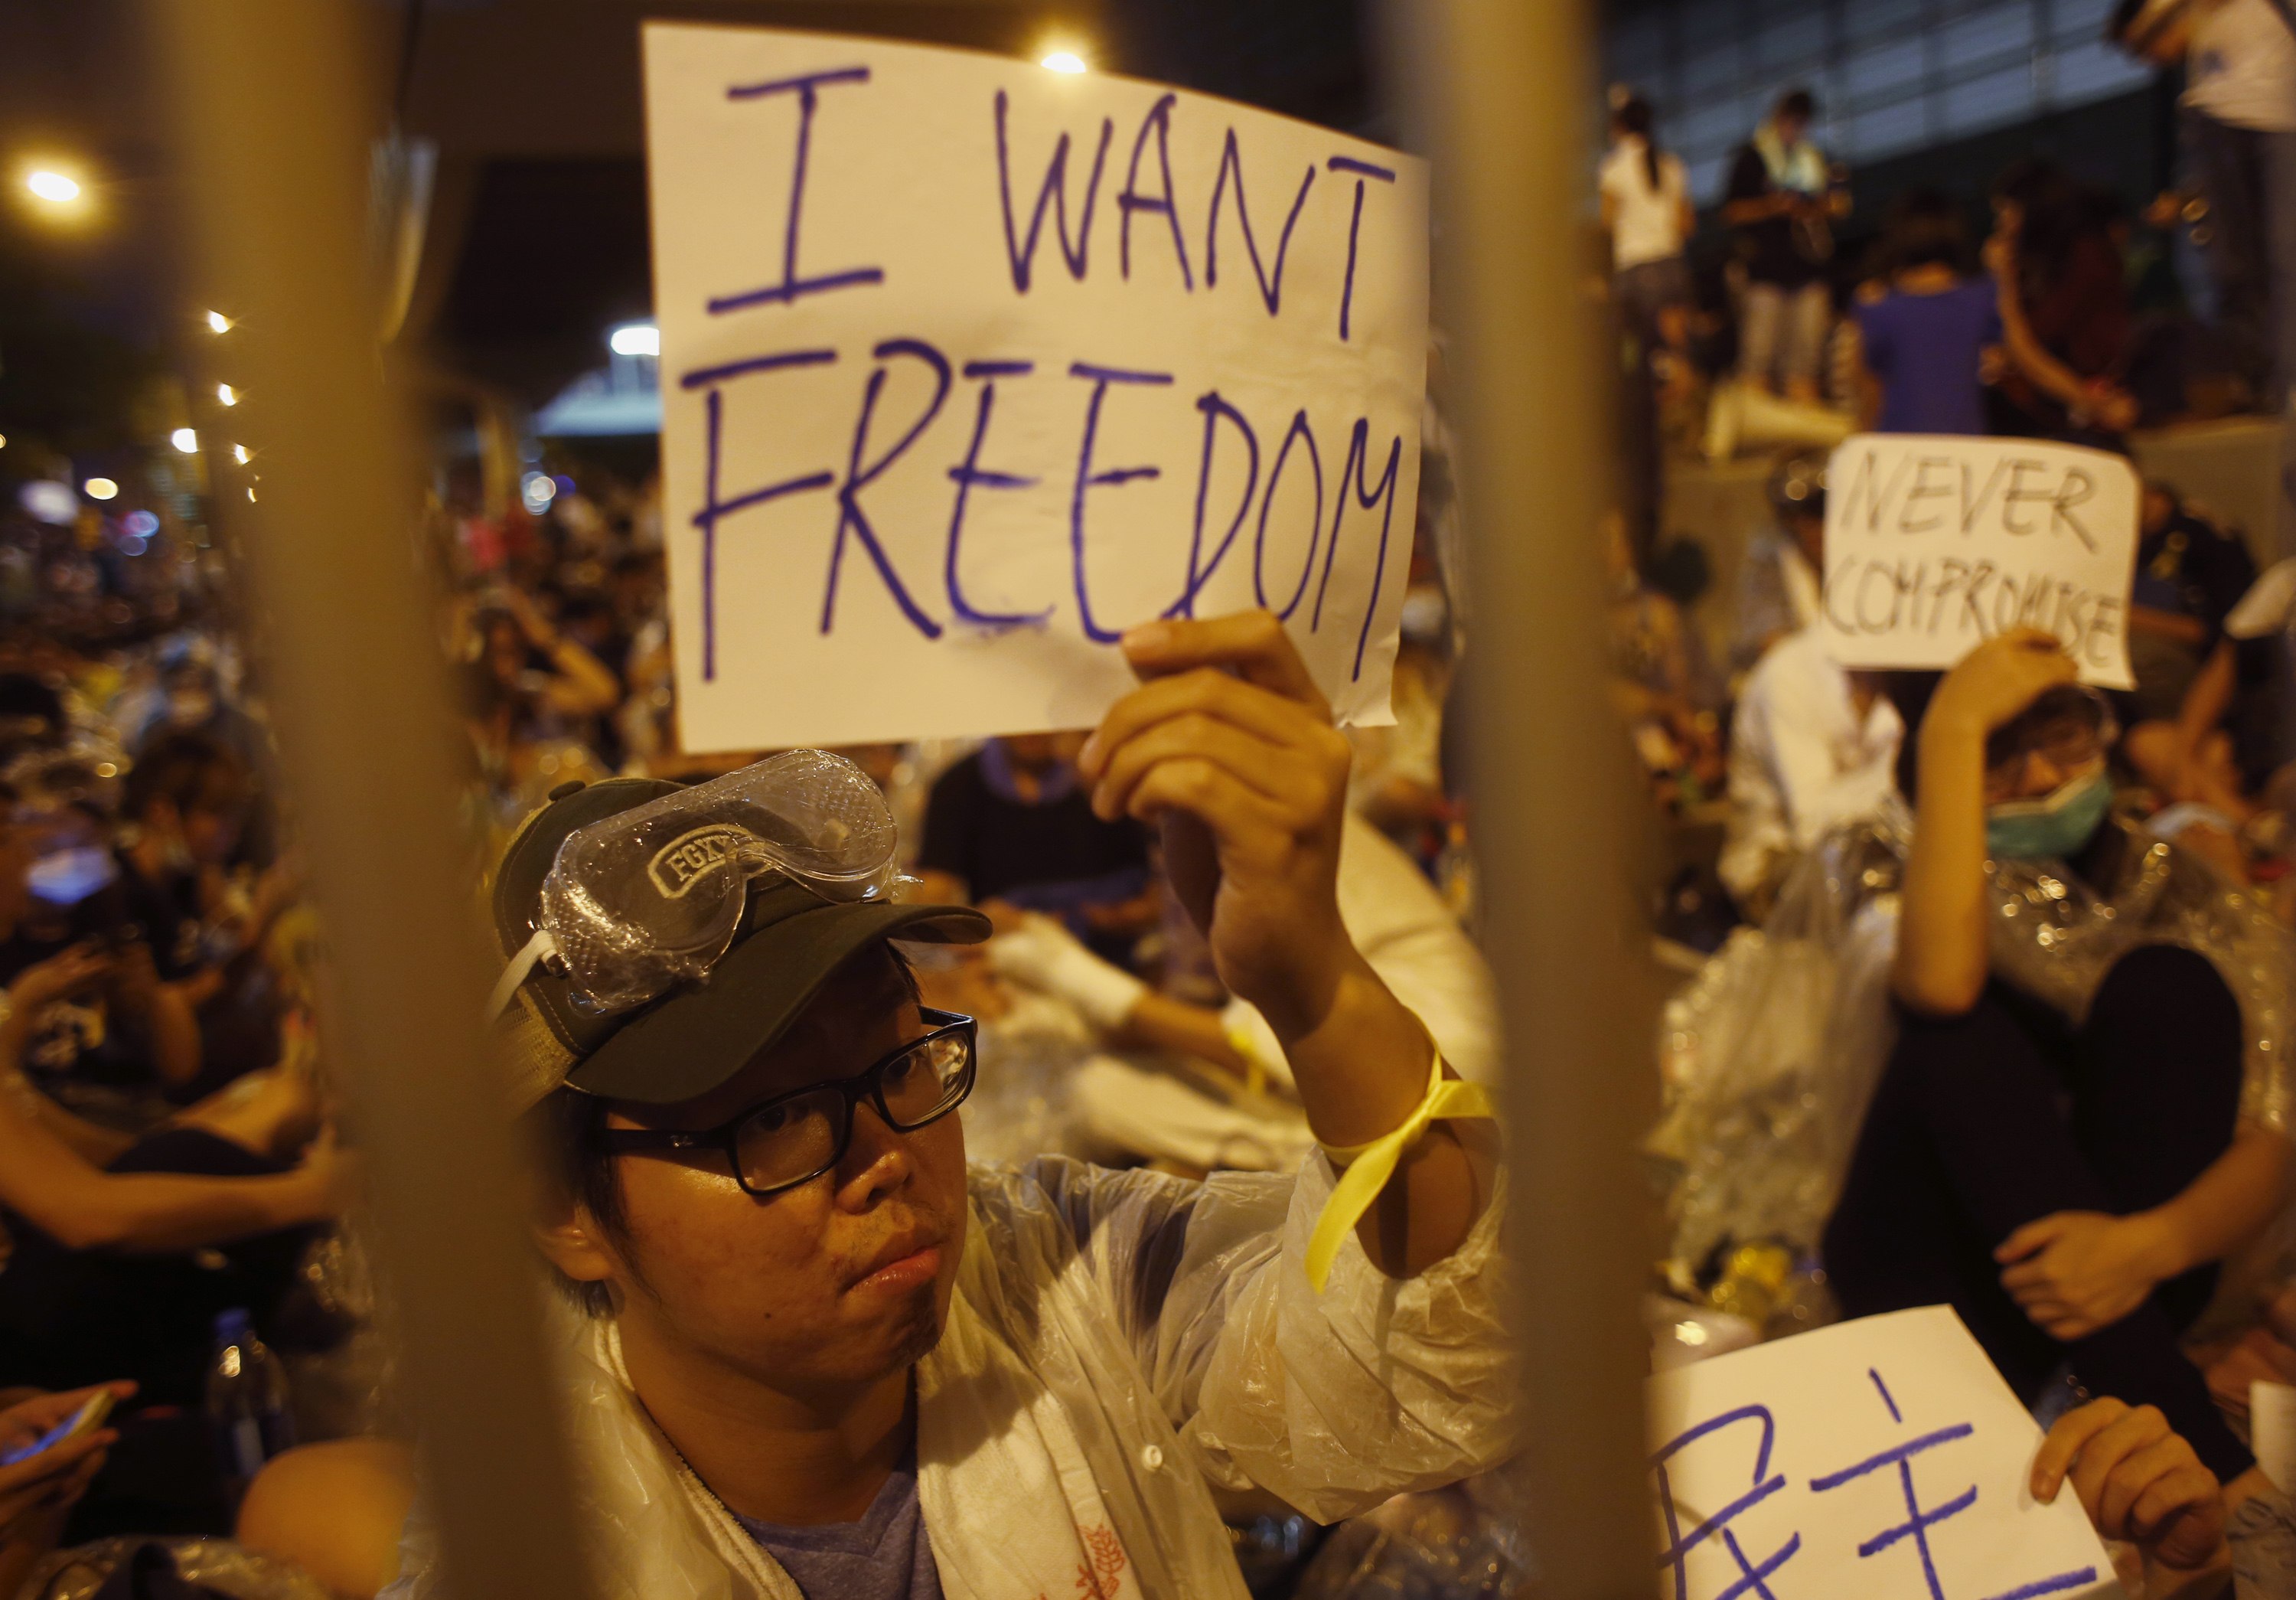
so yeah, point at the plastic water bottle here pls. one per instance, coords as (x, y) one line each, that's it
(247, 1400)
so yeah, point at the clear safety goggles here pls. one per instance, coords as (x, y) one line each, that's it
(644, 900)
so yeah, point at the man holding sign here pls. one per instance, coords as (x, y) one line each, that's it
(983, 418)
(2086, 1109)
(821, 1360)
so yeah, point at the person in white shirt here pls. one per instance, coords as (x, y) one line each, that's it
(1778, 580)
(2239, 126)
(1246, 1113)
(1645, 198)
(1812, 746)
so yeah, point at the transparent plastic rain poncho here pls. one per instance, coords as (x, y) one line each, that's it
(651, 898)
(1772, 1053)
(1118, 1343)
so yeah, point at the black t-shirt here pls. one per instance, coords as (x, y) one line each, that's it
(1052, 855)
(2193, 569)
(1768, 248)
(165, 914)
(72, 1039)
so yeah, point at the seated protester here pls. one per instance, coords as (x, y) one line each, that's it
(1661, 682)
(1813, 746)
(2084, 1111)
(821, 1358)
(123, 1040)
(1011, 822)
(2204, 733)
(1395, 917)
(1924, 344)
(121, 1248)
(1779, 581)
(191, 700)
(530, 685)
(184, 807)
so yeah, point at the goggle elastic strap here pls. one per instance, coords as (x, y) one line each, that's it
(541, 948)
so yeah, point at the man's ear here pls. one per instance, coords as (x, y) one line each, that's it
(574, 1244)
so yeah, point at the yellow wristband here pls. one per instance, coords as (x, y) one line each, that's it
(1370, 1166)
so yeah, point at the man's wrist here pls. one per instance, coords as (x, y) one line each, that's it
(1300, 1004)
(2162, 1250)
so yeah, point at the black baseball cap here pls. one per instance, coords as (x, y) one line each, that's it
(690, 1040)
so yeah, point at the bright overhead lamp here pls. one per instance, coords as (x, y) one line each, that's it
(227, 394)
(57, 188)
(635, 339)
(100, 488)
(218, 322)
(1063, 61)
(187, 440)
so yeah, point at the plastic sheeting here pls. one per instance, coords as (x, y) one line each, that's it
(1118, 1343)
(1462, 1543)
(1770, 1055)
(212, 1563)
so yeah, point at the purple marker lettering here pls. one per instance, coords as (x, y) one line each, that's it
(1362, 170)
(1271, 289)
(1087, 479)
(1298, 430)
(1160, 120)
(807, 90)
(1214, 408)
(850, 518)
(1352, 471)
(715, 511)
(970, 472)
(1055, 193)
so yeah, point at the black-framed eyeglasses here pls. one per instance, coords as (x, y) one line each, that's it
(794, 1138)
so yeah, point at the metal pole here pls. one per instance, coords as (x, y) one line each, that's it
(1498, 88)
(270, 94)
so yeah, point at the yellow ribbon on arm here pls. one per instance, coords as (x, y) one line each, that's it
(1370, 1166)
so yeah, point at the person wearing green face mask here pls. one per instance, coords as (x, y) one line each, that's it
(2083, 1114)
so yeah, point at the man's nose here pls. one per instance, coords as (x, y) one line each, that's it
(876, 1163)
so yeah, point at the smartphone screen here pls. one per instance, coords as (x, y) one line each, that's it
(87, 1416)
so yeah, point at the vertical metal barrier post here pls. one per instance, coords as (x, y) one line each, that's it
(270, 95)
(1500, 91)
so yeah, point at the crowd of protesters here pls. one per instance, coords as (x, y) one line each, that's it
(1990, 974)
(2023, 949)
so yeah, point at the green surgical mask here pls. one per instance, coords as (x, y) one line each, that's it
(2052, 827)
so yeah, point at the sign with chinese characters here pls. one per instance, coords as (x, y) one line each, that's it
(969, 366)
(1934, 544)
(1883, 1458)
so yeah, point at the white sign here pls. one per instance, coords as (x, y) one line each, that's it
(1883, 1458)
(1936, 542)
(968, 365)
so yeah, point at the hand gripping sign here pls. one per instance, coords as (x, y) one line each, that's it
(968, 365)
(1883, 1458)
(1936, 542)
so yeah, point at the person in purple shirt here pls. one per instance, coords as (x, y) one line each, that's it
(1926, 341)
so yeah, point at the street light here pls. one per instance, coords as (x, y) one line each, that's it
(218, 322)
(100, 488)
(185, 440)
(1063, 61)
(635, 339)
(56, 188)
(239, 454)
(227, 394)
